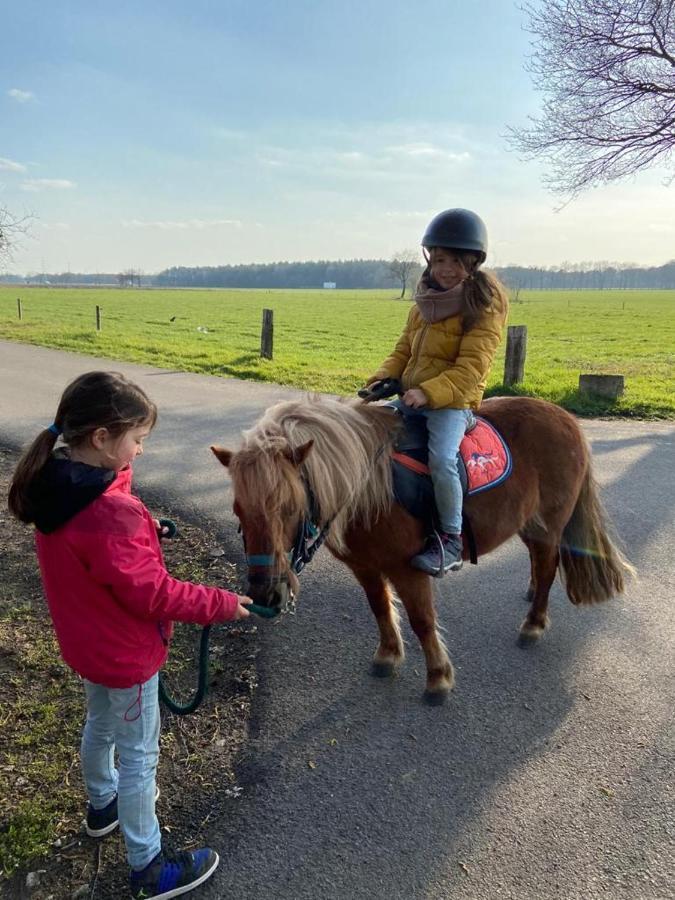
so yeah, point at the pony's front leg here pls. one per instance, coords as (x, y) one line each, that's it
(414, 589)
(389, 654)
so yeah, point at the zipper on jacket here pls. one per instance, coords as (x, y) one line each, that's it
(419, 345)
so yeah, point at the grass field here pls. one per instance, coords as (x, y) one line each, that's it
(331, 340)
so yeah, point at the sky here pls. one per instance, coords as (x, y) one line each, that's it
(146, 135)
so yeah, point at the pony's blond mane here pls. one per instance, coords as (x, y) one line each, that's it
(348, 467)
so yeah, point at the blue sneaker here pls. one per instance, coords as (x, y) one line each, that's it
(442, 553)
(172, 874)
(101, 822)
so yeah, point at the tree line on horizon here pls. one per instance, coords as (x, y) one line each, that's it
(365, 274)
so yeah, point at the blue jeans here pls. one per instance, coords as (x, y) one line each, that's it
(446, 428)
(126, 719)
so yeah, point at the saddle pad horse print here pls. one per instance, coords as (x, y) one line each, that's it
(486, 457)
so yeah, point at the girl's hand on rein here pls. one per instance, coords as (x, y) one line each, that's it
(415, 397)
(166, 528)
(241, 611)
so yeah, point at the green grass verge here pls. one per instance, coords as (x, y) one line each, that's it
(331, 340)
(42, 718)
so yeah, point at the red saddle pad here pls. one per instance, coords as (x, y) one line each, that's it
(485, 454)
(487, 458)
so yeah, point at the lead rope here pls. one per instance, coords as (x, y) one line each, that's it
(202, 680)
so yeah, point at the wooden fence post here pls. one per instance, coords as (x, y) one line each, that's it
(18, 306)
(98, 318)
(267, 334)
(516, 347)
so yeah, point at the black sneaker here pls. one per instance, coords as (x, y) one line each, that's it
(101, 822)
(172, 874)
(441, 554)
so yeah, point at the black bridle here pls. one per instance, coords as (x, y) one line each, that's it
(309, 538)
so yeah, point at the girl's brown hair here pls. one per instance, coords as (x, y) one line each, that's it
(482, 289)
(93, 400)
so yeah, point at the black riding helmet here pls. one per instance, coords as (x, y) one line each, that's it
(457, 229)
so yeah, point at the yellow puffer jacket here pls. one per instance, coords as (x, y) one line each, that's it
(450, 366)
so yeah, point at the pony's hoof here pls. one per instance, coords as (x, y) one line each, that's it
(529, 634)
(382, 669)
(435, 698)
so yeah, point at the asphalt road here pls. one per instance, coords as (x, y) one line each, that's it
(548, 774)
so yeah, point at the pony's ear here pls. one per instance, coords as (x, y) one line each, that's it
(298, 455)
(223, 455)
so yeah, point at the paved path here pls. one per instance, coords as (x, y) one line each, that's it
(549, 773)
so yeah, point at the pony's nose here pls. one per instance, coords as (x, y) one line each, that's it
(260, 591)
(268, 593)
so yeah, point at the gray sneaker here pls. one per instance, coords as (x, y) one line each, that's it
(442, 553)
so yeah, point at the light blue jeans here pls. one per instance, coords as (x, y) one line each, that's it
(446, 428)
(126, 719)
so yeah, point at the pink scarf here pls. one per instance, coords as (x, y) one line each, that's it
(435, 306)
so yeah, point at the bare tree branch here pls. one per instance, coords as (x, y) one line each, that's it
(12, 230)
(129, 278)
(402, 268)
(607, 71)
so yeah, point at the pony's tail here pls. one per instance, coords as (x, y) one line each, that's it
(592, 567)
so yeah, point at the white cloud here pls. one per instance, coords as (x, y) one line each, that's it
(419, 150)
(44, 184)
(20, 96)
(187, 224)
(390, 160)
(409, 214)
(354, 156)
(8, 165)
(54, 226)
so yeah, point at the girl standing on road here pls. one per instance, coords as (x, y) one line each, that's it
(443, 359)
(112, 603)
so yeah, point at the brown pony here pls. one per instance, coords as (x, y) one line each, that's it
(326, 461)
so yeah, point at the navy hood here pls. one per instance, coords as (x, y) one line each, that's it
(64, 488)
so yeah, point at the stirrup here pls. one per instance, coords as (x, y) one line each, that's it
(435, 536)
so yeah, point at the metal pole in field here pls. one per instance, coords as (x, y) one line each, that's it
(516, 347)
(18, 306)
(98, 318)
(267, 335)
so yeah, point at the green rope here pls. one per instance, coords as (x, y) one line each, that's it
(265, 612)
(202, 681)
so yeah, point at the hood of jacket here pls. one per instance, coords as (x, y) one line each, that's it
(64, 488)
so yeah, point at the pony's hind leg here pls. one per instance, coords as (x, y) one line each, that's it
(389, 654)
(544, 563)
(414, 589)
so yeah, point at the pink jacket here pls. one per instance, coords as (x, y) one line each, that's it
(110, 597)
